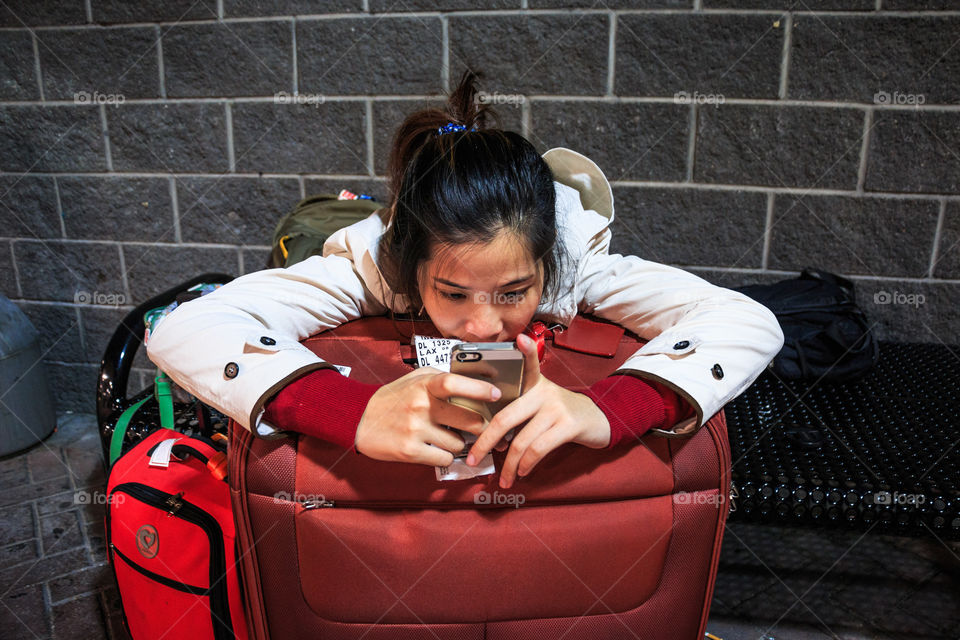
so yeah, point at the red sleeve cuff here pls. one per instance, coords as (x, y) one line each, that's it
(323, 404)
(633, 406)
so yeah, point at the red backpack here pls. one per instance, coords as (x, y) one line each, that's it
(171, 539)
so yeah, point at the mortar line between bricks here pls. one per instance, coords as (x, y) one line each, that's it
(851, 276)
(785, 61)
(123, 272)
(136, 243)
(48, 607)
(864, 150)
(175, 207)
(160, 70)
(691, 141)
(59, 205)
(36, 65)
(78, 318)
(703, 186)
(934, 255)
(526, 119)
(445, 54)
(35, 516)
(105, 133)
(228, 122)
(151, 174)
(767, 232)
(612, 52)
(240, 261)
(877, 7)
(698, 5)
(293, 56)
(318, 17)
(688, 267)
(88, 9)
(303, 187)
(219, 11)
(672, 100)
(16, 270)
(368, 125)
(76, 596)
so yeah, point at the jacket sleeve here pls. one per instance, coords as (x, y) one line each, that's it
(236, 347)
(706, 342)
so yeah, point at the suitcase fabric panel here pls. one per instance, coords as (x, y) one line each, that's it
(393, 565)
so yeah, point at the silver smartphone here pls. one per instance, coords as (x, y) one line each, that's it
(499, 363)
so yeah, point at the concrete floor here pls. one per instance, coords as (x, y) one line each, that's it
(773, 582)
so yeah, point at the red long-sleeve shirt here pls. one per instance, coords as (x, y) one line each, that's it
(328, 405)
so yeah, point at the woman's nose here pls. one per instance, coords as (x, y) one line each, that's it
(484, 325)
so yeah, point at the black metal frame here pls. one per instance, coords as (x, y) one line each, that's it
(118, 358)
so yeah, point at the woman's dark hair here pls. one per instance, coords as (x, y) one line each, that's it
(465, 187)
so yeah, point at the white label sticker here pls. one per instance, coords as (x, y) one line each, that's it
(343, 369)
(434, 352)
(161, 454)
(459, 469)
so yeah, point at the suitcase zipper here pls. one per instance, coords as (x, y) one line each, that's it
(175, 505)
(311, 504)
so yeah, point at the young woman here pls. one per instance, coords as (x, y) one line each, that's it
(483, 235)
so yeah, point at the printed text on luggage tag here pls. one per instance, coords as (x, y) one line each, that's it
(434, 352)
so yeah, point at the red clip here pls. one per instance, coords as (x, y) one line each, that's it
(539, 332)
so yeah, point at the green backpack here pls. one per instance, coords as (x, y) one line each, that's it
(302, 232)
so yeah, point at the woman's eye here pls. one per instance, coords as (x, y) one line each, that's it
(456, 297)
(513, 296)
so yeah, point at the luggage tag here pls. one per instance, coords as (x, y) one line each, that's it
(162, 453)
(435, 352)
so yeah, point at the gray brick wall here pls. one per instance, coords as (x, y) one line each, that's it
(146, 142)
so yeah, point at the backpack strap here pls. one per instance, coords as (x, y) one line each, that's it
(116, 440)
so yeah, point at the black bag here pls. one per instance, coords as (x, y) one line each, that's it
(826, 336)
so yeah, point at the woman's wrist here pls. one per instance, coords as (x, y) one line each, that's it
(323, 404)
(633, 406)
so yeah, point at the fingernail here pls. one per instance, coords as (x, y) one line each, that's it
(495, 393)
(523, 340)
(471, 460)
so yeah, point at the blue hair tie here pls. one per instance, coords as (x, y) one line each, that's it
(450, 127)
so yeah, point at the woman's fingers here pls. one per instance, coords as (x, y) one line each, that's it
(512, 415)
(458, 417)
(520, 446)
(537, 450)
(447, 385)
(444, 439)
(433, 456)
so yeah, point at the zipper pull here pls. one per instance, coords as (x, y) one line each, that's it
(174, 503)
(734, 494)
(314, 503)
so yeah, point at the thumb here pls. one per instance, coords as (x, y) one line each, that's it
(531, 363)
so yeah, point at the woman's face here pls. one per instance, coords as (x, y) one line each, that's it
(481, 292)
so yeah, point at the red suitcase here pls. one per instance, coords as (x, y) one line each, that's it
(620, 543)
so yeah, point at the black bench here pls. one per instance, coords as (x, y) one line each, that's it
(880, 454)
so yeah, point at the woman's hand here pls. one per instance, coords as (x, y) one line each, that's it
(553, 416)
(402, 420)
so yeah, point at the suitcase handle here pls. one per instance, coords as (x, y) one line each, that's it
(216, 461)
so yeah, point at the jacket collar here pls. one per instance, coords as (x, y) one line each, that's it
(581, 173)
